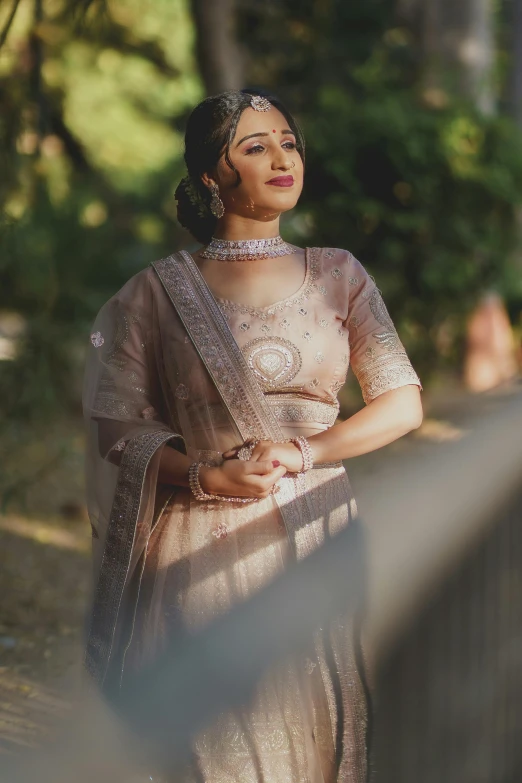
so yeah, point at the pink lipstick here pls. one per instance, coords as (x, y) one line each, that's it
(281, 182)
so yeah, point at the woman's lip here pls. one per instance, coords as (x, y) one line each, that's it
(282, 182)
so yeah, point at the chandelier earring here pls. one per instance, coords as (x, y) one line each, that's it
(216, 205)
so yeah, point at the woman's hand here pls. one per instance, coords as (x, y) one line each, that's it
(288, 454)
(236, 478)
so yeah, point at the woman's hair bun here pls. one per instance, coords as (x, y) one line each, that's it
(192, 211)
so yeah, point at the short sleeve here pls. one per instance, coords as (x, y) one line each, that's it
(377, 355)
(122, 388)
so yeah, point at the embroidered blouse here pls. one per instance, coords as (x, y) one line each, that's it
(302, 346)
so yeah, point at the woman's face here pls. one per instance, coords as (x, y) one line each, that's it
(263, 151)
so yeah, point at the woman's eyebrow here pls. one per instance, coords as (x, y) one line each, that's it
(253, 135)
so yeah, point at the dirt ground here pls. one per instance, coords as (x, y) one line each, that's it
(45, 582)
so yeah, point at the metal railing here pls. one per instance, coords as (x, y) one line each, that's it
(438, 535)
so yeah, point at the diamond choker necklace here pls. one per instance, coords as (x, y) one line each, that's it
(246, 249)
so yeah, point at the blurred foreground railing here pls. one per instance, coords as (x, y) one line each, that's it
(440, 566)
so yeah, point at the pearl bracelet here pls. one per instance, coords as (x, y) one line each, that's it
(306, 452)
(200, 494)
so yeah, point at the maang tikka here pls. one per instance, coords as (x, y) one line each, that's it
(216, 205)
(259, 103)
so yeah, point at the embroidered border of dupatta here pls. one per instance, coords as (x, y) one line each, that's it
(118, 547)
(235, 382)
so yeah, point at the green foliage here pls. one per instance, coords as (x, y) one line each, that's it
(417, 184)
(91, 144)
(93, 100)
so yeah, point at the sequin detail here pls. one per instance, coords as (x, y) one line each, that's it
(319, 357)
(244, 326)
(302, 410)
(148, 413)
(120, 446)
(323, 323)
(97, 340)
(384, 373)
(273, 360)
(221, 531)
(336, 386)
(353, 280)
(307, 335)
(336, 273)
(182, 392)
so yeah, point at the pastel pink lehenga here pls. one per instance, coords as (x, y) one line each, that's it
(171, 366)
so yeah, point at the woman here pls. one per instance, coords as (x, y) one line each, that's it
(211, 393)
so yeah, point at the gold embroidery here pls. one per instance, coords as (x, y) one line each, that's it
(118, 548)
(273, 360)
(384, 373)
(285, 406)
(303, 410)
(336, 386)
(182, 392)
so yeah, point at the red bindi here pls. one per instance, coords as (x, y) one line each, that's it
(274, 131)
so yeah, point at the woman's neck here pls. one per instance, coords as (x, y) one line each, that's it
(237, 228)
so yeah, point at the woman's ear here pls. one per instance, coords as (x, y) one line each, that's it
(207, 180)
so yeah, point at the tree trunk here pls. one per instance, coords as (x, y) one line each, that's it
(219, 57)
(457, 43)
(516, 54)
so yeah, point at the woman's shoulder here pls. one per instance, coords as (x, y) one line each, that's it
(133, 294)
(337, 262)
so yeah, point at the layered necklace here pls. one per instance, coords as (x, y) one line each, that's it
(246, 249)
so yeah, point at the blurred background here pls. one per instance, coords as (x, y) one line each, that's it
(412, 112)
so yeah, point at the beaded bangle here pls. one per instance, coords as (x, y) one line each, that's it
(306, 452)
(200, 494)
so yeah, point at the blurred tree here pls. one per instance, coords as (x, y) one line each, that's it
(424, 191)
(93, 100)
(219, 56)
(456, 47)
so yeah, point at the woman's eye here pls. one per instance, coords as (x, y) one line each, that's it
(290, 145)
(255, 148)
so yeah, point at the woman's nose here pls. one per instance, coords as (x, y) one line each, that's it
(282, 161)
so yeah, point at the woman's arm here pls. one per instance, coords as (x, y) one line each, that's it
(387, 418)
